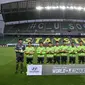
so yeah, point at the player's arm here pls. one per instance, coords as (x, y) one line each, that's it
(67, 50)
(79, 49)
(33, 51)
(47, 50)
(84, 49)
(16, 49)
(61, 49)
(38, 50)
(44, 51)
(24, 47)
(75, 50)
(70, 50)
(52, 50)
(26, 51)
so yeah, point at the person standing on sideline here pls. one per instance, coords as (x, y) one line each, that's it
(19, 49)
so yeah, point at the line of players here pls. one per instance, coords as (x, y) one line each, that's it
(57, 53)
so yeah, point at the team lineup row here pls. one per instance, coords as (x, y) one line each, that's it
(55, 53)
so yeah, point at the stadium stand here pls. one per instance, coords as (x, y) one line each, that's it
(45, 27)
(46, 22)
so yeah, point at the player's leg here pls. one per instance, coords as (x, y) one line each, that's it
(62, 60)
(82, 59)
(42, 60)
(27, 60)
(65, 59)
(50, 60)
(58, 59)
(70, 60)
(38, 60)
(79, 59)
(55, 59)
(17, 66)
(74, 59)
(21, 65)
(31, 60)
(47, 60)
(17, 63)
(21, 60)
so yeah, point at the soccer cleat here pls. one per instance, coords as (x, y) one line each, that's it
(22, 72)
(16, 72)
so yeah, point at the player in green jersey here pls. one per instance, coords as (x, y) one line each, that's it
(40, 53)
(64, 52)
(29, 51)
(50, 53)
(72, 53)
(81, 52)
(57, 53)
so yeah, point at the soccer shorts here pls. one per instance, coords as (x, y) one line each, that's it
(29, 60)
(81, 59)
(63, 59)
(49, 60)
(57, 59)
(40, 60)
(19, 57)
(72, 60)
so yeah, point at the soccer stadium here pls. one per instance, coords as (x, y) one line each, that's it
(42, 42)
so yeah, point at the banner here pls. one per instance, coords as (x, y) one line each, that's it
(64, 69)
(34, 69)
(75, 69)
(68, 40)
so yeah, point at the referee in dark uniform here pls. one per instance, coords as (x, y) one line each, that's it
(19, 49)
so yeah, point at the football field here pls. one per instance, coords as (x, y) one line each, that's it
(8, 76)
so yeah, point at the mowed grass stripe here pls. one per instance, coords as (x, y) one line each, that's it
(7, 76)
(6, 55)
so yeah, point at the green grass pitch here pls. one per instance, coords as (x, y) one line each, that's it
(8, 77)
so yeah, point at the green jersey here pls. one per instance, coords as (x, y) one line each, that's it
(81, 50)
(50, 51)
(72, 51)
(41, 51)
(64, 50)
(29, 51)
(56, 50)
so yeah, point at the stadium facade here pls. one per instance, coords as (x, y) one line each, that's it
(41, 18)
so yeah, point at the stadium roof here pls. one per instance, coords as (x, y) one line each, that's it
(8, 1)
(59, 1)
(31, 9)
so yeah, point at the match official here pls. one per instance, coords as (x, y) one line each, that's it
(19, 49)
